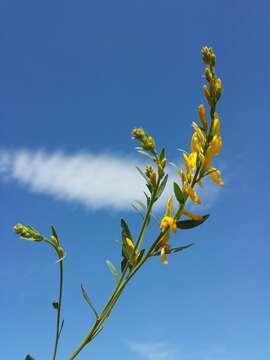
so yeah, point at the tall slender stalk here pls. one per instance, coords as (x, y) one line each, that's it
(59, 303)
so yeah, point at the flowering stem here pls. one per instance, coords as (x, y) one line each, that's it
(121, 283)
(57, 335)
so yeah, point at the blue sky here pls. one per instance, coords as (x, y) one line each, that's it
(76, 78)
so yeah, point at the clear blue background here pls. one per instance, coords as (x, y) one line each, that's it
(79, 76)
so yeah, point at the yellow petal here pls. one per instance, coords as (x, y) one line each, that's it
(130, 244)
(169, 206)
(215, 176)
(203, 116)
(216, 125)
(163, 256)
(187, 164)
(199, 132)
(193, 195)
(193, 160)
(192, 216)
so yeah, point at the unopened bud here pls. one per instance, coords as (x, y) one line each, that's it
(54, 240)
(138, 133)
(154, 178)
(149, 143)
(27, 232)
(207, 94)
(208, 74)
(202, 115)
(163, 163)
(148, 171)
(218, 88)
(60, 252)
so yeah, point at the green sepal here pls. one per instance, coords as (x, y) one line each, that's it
(113, 270)
(189, 224)
(162, 187)
(140, 255)
(125, 230)
(178, 193)
(87, 299)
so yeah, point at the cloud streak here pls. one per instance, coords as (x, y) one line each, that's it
(96, 181)
(163, 350)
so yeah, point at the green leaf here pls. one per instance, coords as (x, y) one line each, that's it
(162, 154)
(178, 193)
(180, 248)
(138, 210)
(125, 229)
(162, 186)
(29, 357)
(144, 209)
(87, 299)
(189, 224)
(175, 167)
(113, 270)
(145, 153)
(175, 250)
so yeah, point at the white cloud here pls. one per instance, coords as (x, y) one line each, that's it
(96, 181)
(162, 350)
(153, 350)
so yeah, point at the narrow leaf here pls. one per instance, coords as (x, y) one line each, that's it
(178, 193)
(189, 224)
(162, 154)
(125, 229)
(175, 250)
(87, 299)
(175, 167)
(138, 210)
(162, 186)
(145, 153)
(113, 270)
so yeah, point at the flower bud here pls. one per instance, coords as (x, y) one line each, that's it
(218, 88)
(207, 94)
(60, 252)
(27, 232)
(138, 133)
(163, 163)
(208, 74)
(149, 171)
(149, 143)
(202, 115)
(54, 240)
(154, 178)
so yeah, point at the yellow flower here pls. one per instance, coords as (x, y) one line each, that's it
(216, 125)
(215, 176)
(193, 160)
(168, 221)
(199, 132)
(193, 195)
(187, 166)
(192, 216)
(163, 251)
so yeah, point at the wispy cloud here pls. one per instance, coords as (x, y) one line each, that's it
(153, 350)
(162, 350)
(96, 181)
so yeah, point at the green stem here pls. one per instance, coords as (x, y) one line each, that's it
(120, 285)
(57, 335)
